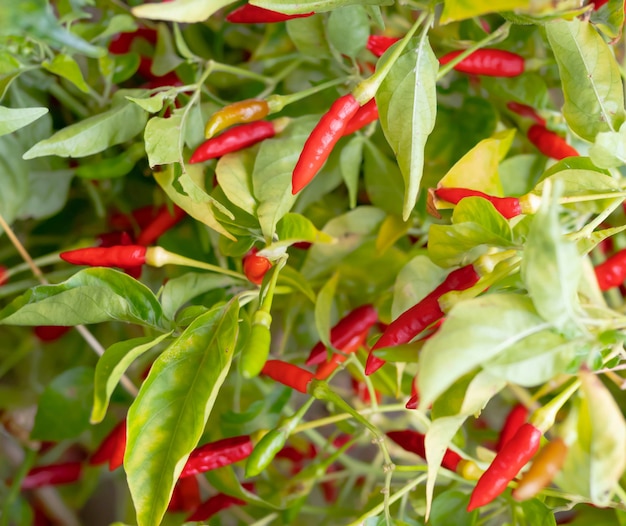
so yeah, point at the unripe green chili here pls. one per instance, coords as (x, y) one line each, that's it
(237, 113)
(257, 350)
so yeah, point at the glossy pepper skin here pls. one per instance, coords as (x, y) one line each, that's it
(612, 272)
(52, 475)
(505, 466)
(255, 353)
(217, 454)
(288, 374)
(543, 469)
(515, 419)
(549, 143)
(323, 138)
(345, 333)
(426, 312)
(325, 369)
(233, 140)
(50, 333)
(251, 14)
(413, 442)
(365, 115)
(508, 207)
(163, 221)
(488, 62)
(3, 275)
(526, 111)
(185, 496)
(122, 256)
(112, 448)
(241, 112)
(378, 44)
(255, 267)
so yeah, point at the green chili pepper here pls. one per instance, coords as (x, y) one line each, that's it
(255, 354)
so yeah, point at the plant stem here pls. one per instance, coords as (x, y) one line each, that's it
(321, 422)
(29, 459)
(159, 257)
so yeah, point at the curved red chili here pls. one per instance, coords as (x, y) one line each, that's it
(163, 221)
(252, 14)
(526, 111)
(325, 369)
(365, 115)
(126, 256)
(185, 496)
(217, 503)
(508, 207)
(345, 333)
(3, 275)
(549, 143)
(288, 374)
(233, 140)
(323, 138)
(112, 448)
(506, 465)
(612, 272)
(52, 475)
(413, 442)
(426, 312)
(378, 44)
(217, 454)
(515, 419)
(488, 62)
(50, 333)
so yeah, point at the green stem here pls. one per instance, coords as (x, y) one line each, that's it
(501, 32)
(158, 257)
(78, 108)
(367, 89)
(48, 259)
(225, 68)
(544, 418)
(278, 102)
(340, 417)
(393, 498)
(14, 490)
(590, 197)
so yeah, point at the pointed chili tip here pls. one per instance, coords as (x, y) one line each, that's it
(372, 364)
(413, 402)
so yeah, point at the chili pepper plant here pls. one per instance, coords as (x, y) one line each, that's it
(317, 262)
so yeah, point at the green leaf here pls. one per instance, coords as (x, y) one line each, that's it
(273, 167)
(47, 194)
(449, 508)
(469, 338)
(590, 76)
(418, 278)
(12, 119)
(63, 407)
(168, 417)
(165, 57)
(551, 268)
(318, 6)
(66, 67)
(383, 180)
(163, 140)
(93, 295)
(180, 10)
(309, 36)
(604, 429)
(609, 150)
(151, 104)
(234, 176)
(294, 228)
(178, 291)
(94, 134)
(324, 308)
(350, 160)
(454, 10)
(609, 18)
(407, 104)
(538, 514)
(348, 29)
(13, 178)
(111, 367)
(202, 211)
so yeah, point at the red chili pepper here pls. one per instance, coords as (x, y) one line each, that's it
(515, 419)
(186, 495)
(360, 389)
(413, 442)
(255, 267)
(365, 115)
(233, 140)
(506, 465)
(216, 504)
(288, 374)
(112, 448)
(597, 4)
(52, 475)
(121, 44)
(163, 221)
(251, 14)
(378, 44)
(526, 111)
(323, 138)
(50, 333)
(508, 207)
(545, 466)
(127, 256)
(488, 62)
(549, 143)
(612, 272)
(217, 454)
(324, 370)
(426, 312)
(140, 217)
(346, 333)
(3, 275)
